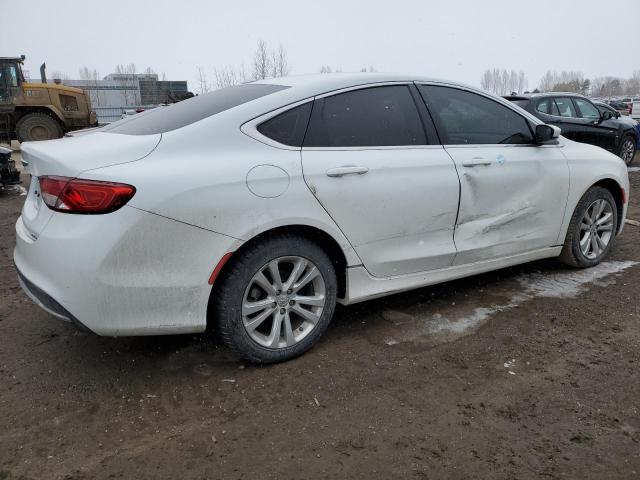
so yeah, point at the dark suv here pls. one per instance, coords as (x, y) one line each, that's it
(580, 120)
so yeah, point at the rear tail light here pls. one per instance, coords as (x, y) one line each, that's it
(74, 195)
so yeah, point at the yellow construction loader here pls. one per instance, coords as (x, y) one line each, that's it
(39, 111)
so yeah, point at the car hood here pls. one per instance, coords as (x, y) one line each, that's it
(624, 121)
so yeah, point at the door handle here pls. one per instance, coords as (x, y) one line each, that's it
(346, 170)
(476, 161)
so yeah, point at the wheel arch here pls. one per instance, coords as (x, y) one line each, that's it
(320, 237)
(50, 110)
(616, 191)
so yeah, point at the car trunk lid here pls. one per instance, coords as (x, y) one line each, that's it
(69, 157)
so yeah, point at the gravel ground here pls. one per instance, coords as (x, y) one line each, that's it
(523, 373)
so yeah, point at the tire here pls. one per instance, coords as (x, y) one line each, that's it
(627, 149)
(242, 288)
(573, 253)
(38, 126)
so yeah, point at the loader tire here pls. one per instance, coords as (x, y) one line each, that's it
(38, 126)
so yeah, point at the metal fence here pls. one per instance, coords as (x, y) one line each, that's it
(111, 114)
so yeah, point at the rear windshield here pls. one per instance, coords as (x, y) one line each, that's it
(165, 119)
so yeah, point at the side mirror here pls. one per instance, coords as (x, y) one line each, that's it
(606, 115)
(546, 133)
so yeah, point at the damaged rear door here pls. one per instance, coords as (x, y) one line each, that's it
(513, 193)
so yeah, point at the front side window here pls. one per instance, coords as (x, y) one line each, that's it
(565, 107)
(369, 117)
(12, 78)
(463, 117)
(587, 110)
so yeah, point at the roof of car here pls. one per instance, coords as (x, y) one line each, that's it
(327, 82)
(527, 96)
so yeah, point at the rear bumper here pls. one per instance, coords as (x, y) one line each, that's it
(48, 303)
(125, 273)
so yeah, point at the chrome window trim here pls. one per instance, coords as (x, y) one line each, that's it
(250, 128)
(378, 147)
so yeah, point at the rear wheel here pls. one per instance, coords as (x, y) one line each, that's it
(627, 149)
(276, 300)
(592, 229)
(38, 126)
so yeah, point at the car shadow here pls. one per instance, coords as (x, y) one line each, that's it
(183, 353)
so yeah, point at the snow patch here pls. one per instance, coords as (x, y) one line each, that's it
(633, 169)
(509, 363)
(563, 284)
(560, 285)
(18, 189)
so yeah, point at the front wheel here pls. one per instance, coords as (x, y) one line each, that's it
(592, 229)
(276, 300)
(627, 149)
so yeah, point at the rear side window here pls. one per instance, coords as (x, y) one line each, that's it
(548, 106)
(463, 117)
(289, 127)
(165, 119)
(565, 107)
(369, 117)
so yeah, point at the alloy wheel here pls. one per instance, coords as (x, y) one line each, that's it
(283, 302)
(596, 229)
(628, 151)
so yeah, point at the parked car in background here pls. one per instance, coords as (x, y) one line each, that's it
(580, 120)
(301, 192)
(621, 106)
(635, 110)
(130, 112)
(604, 107)
(628, 102)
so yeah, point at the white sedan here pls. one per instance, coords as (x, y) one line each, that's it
(257, 207)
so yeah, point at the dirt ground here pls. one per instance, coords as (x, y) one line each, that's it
(528, 372)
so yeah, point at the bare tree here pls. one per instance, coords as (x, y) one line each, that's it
(203, 84)
(503, 82)
(326, 69)
(261, 61)
(129, 82)
(91, 78)
(632, 84)
(606, 87)
(57, 74)
(564, 81)
(279, 63)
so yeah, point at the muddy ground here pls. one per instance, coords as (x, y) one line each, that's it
(528, 372)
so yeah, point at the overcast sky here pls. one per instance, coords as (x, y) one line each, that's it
(452, 39)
